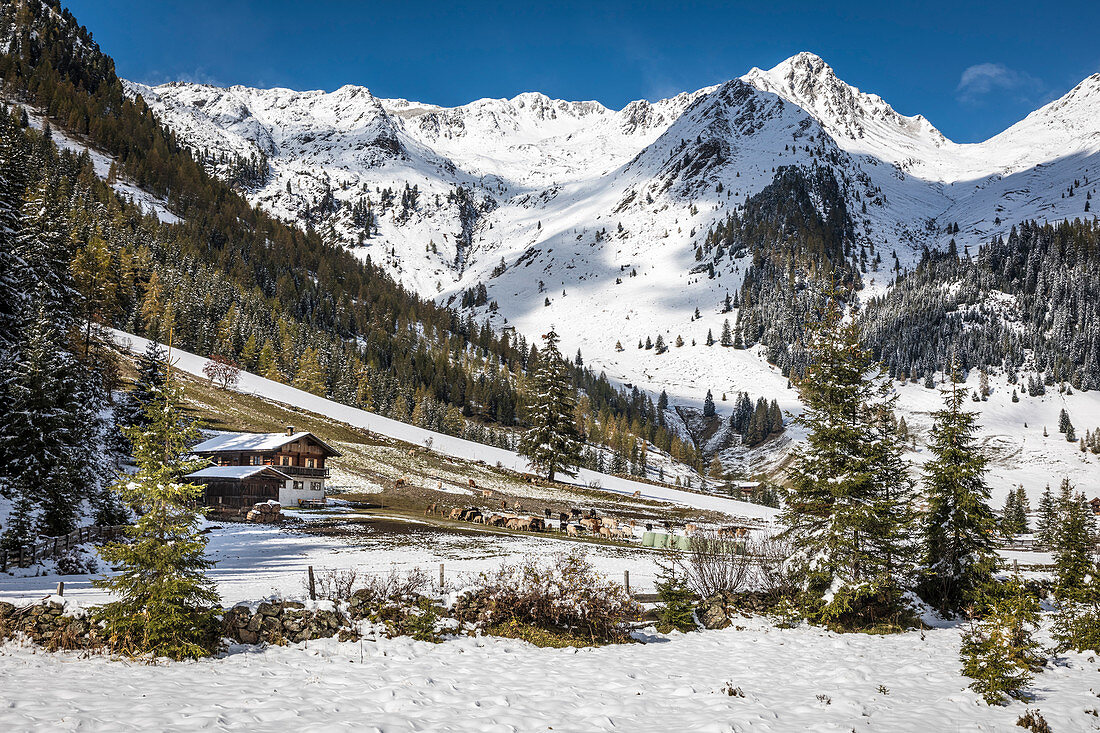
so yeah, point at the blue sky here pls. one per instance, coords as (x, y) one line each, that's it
(971, 68)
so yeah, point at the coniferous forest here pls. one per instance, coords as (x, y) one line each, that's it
(1027, 305)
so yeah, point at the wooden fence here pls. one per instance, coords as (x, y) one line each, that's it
(45, 548)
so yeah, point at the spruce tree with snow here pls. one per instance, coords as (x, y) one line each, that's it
(1063, 421)
(848, 511)
(1074, 542)
(47, 434)
(166, 604)
(1013, 519)
(551, 442)
(999, 652)
(708, 405)
(1023, 508)
(13, 291)
(1048, 518)
(727, 333)
(959, 555)
(131, 408)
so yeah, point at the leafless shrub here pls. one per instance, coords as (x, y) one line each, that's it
(714, 565)
(560, 593)
(334, 584)
(397, 585)
(774, 576)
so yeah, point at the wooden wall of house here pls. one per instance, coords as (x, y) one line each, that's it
(236, 493)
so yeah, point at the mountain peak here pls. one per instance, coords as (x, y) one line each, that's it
(807, 80)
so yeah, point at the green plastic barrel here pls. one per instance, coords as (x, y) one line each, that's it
(647, 539)
(660, 540)
(683, 542)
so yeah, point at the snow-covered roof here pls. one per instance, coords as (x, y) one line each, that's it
(229, 442)
(233, 472)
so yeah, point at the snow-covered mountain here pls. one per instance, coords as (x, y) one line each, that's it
(588, 218)
(504, 178)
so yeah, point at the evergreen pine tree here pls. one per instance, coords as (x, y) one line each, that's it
(999, 653)
(551, 442)
(850, 492)
(959, 525)
(166, 603)
(48, 431)
(1023, 508)
(1048, 519)
(132, 406)
(1074, 542)
(13, 287)
(677, 604)
(708, 405)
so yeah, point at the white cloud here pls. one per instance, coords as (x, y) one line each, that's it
(981, 80)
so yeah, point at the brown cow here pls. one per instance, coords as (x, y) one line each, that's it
(399, 482)
(605, 532)
(572, 531)
(637, 495)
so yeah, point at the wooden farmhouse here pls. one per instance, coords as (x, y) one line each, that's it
(288, 467)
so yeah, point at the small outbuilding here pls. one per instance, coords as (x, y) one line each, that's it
(236, 487)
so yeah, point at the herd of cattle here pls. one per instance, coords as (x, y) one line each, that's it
(573, 524)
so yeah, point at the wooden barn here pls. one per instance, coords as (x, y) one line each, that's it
(234, 487)
(300, 457)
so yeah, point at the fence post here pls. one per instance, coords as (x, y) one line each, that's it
(60, 587)
(312, 585)
(22, 556)
(626, 581)
(441, 581)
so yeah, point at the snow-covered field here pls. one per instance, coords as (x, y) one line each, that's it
(258, 561)
(784, 679)
(788, 680)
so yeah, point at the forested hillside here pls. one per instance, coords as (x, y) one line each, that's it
(1028, 304)
(218, 277)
